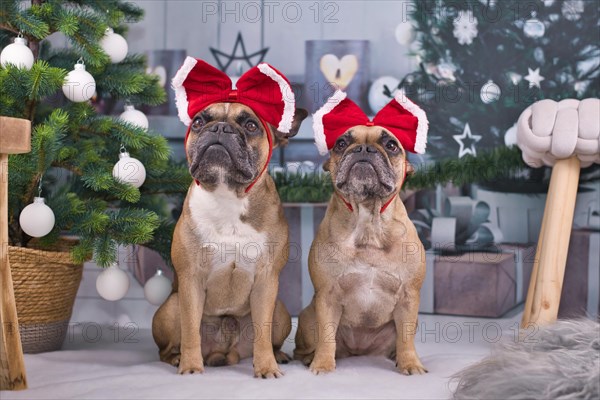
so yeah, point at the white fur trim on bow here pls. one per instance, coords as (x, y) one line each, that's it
(287, 95)
(318, 128)
(423, 123)
(181, 99)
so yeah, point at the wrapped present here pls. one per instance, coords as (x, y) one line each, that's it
(476, 283)
(464, 226)
(582, 276)
(143, 263)
(469, 271)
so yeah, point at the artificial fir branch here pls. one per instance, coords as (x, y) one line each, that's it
(73, 147)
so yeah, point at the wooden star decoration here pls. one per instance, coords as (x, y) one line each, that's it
(225, 60)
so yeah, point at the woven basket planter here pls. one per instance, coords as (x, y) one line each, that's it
(45, 284)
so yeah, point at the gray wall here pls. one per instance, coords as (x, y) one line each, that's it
(197, 25)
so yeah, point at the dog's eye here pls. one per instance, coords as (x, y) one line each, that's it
(251, 126)
(341, 144)
(197, 124)
(391, 146)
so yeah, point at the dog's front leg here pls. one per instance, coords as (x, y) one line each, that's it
(329, 313)
(191, 305)
(405, 319)
(262, 306)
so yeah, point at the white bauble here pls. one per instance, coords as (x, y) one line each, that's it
(134, 117)
(17, 54)
(112, 283)
(510, 137)
(490, 92)
(157, 289)
(79, 85)
(129, 170)
(405, 33)
(37, 219)
(534, 28)
(114, 45)
(377, 97)
(514, 78)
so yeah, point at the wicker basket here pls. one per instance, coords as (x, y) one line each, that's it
(45, 284)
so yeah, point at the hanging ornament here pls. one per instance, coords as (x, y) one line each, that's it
(112, 283)
(572, 9)
(446, 71)
(129, 170)
(580, 87)
(114, 45)
(382, 91)
(37, 219)
(534, 78)
(470, 140)
(405, 33)
(488, 3)
(510, 137)
(79, 85)
(514, 78)
(157, 289)
(538, 55)
(134, 117)
(548, 3)
(17, 54)
(490, 92)
(465, 27)
(534, 28)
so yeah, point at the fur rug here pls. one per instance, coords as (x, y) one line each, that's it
(561, 361)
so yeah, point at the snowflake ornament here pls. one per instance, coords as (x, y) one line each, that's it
(465, 27)
(572, 9)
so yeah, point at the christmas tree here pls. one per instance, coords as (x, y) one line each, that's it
(482, 62)
(74, 147)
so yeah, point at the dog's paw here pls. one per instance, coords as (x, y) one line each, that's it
(267, 369)
(281, 357)
(410, 364)
(322, 366)
(190, 366)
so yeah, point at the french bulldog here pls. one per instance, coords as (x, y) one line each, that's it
(366, 262)
(231, 240)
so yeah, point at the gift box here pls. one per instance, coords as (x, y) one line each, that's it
(477, 284)
(582, 276)
(143, 263)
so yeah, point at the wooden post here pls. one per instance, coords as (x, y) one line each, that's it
(545, 287)
(15, 137)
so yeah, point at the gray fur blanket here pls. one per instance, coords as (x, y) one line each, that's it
(560, 361)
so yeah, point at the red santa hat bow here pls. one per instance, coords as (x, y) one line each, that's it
(403, 118)
(265, 90)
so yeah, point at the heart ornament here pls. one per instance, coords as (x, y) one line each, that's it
(339, 72)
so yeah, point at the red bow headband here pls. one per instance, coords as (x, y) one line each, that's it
(265, 90)
(403, 118)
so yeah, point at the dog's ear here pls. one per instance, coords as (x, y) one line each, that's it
(282, 139)
(326, 165)
(299, 115)
(409, 169)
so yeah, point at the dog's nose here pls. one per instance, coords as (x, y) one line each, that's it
(368, 148)
(221, 127)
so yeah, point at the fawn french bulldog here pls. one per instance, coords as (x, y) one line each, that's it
(366, 263)
(231, 241)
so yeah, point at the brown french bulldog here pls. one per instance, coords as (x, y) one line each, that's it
(230, 243)
(366, 263)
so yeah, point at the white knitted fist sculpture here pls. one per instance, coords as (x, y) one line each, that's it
(566, 136)
(550, 130)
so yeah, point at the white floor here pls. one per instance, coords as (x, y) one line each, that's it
(99, 361)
